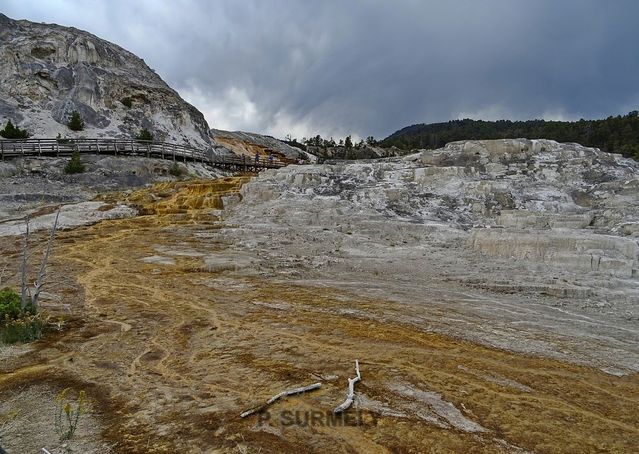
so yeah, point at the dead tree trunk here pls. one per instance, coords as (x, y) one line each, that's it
(23, 268)
(43, 266)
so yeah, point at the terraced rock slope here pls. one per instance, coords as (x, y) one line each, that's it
(223, 293)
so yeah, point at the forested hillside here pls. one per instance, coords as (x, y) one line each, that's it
(618, 134)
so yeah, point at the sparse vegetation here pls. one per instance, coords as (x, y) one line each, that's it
(20, 320)
(75, 164)
(76, 123)
(68, 413)
(13, 132)
(144, 134)
(176, 170)
(128, 101)
(61, 139)
(27, 327)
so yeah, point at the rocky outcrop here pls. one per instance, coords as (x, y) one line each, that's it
(247, 144)
(47, 71)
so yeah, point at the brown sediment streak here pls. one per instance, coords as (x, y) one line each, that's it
(182, 351)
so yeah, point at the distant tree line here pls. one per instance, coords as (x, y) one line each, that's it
(618, 134)
(319, 141)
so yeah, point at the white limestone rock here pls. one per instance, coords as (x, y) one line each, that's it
(47, 71)
(525, 245)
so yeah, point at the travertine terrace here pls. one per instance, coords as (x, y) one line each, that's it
(220, 294)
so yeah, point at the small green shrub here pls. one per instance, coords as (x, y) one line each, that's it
(176, 170)
(68, 414)
(61, 139)
(144, 134)
(9, 304)
(76, 123)
(128, 101)
(17, 324)
(13, 132)
(75, 164)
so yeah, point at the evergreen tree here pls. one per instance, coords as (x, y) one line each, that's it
(75, 164)
(76, 123)
(348, 142)
(13, 132)
(145, 134)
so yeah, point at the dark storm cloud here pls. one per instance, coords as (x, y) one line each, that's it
(371, 67)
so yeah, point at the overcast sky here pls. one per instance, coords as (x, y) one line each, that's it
(336, 67)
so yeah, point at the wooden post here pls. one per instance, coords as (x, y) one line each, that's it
(39, 148)
(97, 144)
(162, 150)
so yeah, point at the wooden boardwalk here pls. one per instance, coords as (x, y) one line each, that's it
(11, 148)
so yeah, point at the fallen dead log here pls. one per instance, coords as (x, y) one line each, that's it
(288, 392)
(351, 391)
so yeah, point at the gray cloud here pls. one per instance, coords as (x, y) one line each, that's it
(371, 67)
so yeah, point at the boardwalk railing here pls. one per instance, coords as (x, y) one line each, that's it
(10, 148)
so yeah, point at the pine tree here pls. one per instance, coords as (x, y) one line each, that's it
(145, 135)
(13, 132)
(348, 143)
(74, 165)
(76, 123)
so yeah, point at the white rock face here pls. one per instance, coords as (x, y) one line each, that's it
(563, 205)
(47, 71)
(527, 245)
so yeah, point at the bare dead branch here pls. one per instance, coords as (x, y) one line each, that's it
(351, 391)
(288, 392)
